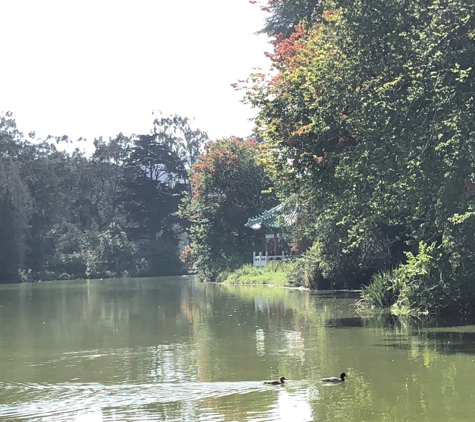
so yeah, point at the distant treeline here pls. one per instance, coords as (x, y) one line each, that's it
(113, 213)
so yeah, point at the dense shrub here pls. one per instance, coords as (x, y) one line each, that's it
(72, 264)
(420, 286)
(346, 260)
(305, 271)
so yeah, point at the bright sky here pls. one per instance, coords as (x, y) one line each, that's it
(99, 67)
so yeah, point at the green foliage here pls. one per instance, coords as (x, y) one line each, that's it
(93, 254)
(420, 286)
(110, 254)
(15, 204)
(284, 15)
(305, 271)
(153, 187)
(10, 240)
(72, 264)
(229, 186)
(381, 292)
(299, 272)
(176, 132)
(275, 274)
(45, 275)
(345, 258)
(458, 244)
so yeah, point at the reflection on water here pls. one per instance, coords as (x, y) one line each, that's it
(260, 342)
(170, 349)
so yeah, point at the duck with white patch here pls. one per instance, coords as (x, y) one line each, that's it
(335, 380)
(276, 382)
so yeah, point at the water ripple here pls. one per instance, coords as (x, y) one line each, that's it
(79, 402)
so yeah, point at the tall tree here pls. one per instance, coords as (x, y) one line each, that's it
(48, 174)
(154, 186)
(107, 170)
(15, 209)
(229, 186)
(284, 15)
(11, 249)
(15, 202)
(176, 132)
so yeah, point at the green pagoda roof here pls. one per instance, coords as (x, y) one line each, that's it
(278, 217)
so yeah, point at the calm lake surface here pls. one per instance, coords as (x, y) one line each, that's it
(170, 349)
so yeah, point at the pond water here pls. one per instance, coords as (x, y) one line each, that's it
(171, 349)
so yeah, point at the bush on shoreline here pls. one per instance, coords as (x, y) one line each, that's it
(424, 285)
(275, 274)
(299, 272)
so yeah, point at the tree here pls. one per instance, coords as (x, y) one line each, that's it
(48, 174)
(229, 186)
(11, 249)
(15, 202)
(153, 188)
(11, 139)
(106, 168)
(175, 132)
(285, 15)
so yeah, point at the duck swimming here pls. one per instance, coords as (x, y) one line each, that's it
(335, 380)
(276, 382)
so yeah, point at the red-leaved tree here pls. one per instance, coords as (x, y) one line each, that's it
(229, 186)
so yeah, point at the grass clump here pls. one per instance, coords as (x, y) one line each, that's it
(296, 272)
(276, 274)
(418, 287)
(380, 292)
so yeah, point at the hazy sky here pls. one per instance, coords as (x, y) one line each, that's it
(100, 67)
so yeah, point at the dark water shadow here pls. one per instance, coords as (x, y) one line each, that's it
(447, 336)
(399, 346)
(454, 321)
(449, 342)
(336, 294)
(383, 319)
(353, 322)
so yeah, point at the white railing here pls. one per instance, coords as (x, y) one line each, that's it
(262, 260)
